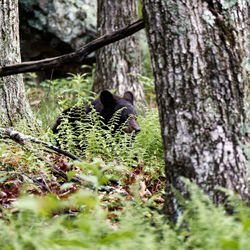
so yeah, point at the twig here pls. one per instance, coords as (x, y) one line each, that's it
(60, 172)
(43, 185)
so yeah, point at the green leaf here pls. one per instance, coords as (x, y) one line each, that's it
(65, 242)
(116, 236)
(230, 244)
(246, 224)
(139, 9)
(71, 174)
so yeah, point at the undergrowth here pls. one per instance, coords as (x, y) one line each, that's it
(118, 203)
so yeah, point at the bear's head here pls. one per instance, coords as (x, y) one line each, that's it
(112, 103)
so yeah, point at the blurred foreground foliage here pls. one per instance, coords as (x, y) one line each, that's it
(85, 221)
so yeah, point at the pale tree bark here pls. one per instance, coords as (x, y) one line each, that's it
(13, 103)
(117, 64)
(197, 49)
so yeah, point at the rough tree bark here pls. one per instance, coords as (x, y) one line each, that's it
(116, 63)
(13, 103)
(197, 49)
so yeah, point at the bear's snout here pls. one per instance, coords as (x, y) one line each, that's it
(132, 126)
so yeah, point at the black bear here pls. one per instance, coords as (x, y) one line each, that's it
(106, 106)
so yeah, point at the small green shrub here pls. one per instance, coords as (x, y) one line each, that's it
(210, 227)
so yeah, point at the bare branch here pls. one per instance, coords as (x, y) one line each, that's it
(77, 56)
(21, 139)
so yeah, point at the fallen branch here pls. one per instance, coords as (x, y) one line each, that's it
(34, 180)
(77, 56)
(76, 179)
(21, 138)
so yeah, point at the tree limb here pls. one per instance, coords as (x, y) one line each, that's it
(77, 56)
(21, 138)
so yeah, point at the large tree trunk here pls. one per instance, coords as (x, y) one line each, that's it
(117, 63)
(13, 103)
(197, 55)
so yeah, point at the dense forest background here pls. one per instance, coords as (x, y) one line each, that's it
(182, 182)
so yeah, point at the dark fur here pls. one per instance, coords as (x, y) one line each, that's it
(106, 105)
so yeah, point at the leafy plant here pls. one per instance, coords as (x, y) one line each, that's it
(58, 94)
(149, 89)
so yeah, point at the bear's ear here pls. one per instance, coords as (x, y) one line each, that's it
(129, 97)
(107, 98)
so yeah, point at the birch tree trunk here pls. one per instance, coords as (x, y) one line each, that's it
(117, 63)
(13, 103)
(197, 49)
